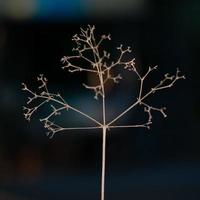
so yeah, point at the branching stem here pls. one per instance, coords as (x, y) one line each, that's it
(98, 65)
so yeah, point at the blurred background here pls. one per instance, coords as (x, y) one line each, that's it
(160, 163)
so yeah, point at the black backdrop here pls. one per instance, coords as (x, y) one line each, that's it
(161, 163)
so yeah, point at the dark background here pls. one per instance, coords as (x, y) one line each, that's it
(160, 163)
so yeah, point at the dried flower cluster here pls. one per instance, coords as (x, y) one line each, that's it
(99, 65)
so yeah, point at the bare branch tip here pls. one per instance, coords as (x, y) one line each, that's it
(24, 87)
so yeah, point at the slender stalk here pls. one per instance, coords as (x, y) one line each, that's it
(128, 126)
(103, 139)
(67, 106)
(103, 151)
(104, 127)
(123, 113)
(103, 163)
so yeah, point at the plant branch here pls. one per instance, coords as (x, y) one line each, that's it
(140, 101)
(47, 97)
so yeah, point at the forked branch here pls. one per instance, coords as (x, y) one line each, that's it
(167, 82)
(99, 65)
(57, 104)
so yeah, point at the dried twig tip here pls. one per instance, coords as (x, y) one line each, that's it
(24, 87)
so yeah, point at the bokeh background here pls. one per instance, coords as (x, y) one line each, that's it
(161, 163)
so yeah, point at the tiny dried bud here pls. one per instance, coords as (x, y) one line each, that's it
(129, 49)
(24, 86)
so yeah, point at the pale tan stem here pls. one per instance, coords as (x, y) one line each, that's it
(101, 78)
(123, 113)
(78, 111)
(103, 163)
(103, 150)
(82, 128)
(129, 126)
(141, 88)
(104, 136)
(72, 108)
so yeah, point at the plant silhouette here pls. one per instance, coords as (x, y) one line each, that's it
(99, 65)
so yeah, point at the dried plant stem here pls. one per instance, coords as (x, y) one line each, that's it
(82, 128)
(128, 126)
(104, 128)
(98, 64)
(103, 147)
(103, 163)
(123, 113)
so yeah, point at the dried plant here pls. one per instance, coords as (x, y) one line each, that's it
(99, 66)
